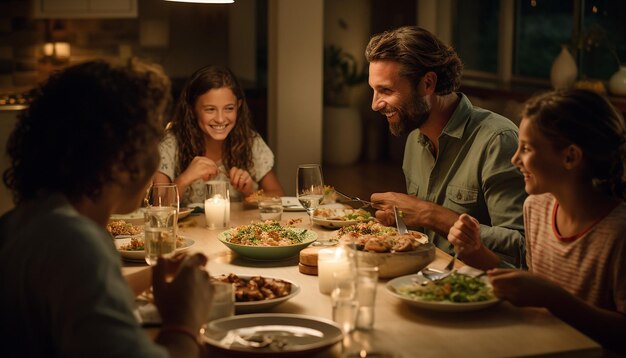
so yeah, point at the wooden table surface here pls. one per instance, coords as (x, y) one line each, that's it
(399, 329)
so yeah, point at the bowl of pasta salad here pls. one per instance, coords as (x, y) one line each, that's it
(267, 240)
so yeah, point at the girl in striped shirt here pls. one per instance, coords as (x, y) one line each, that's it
(572, 153)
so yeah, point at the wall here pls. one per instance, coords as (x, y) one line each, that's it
(295, 85)
(181, 37)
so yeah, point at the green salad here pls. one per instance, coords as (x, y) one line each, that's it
(267, 233)
(456, 288)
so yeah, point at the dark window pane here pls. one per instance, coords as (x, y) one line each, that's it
(541, 28)
(476, 34)
(603, 39)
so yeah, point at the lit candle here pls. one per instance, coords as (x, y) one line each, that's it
(215, 212)
(329, 262)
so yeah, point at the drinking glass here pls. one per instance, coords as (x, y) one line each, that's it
(270, 208)
(223, 302)
(343, 298)
(160, 221)
(366, 282)
(309, 187)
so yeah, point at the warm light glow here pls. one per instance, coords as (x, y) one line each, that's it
(206, 1)
(59, 50)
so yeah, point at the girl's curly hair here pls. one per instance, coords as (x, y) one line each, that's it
(237, 146)
(588, 120)
(71, 148)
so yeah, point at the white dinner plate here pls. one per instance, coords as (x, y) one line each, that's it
(291, 203)
(184, 212)
(140, 255)
(394, 285)
(260, 306)
(138, 215)
(335, 223)
(288, 333)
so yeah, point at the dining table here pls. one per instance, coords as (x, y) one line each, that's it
(400, 329)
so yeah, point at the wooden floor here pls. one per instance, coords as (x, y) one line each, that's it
(365, 178)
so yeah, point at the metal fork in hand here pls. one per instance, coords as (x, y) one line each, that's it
(400, 222)
(354, 198)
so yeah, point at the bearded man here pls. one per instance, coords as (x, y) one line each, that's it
(457, 157)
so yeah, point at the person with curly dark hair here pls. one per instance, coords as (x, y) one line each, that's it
(211, 136)
(87, 147)
(456, 158)
(572, 153)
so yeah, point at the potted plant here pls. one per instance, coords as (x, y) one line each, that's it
(341, 72)
(343, 128)
(595, 37)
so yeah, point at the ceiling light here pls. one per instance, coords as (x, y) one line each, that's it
(206, 1)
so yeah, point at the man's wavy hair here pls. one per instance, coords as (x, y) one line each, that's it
(83, 122)
(590, 121)
(418, 52)
(237, 146)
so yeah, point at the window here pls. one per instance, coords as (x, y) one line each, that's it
(474, 35)
(541, 27)
(602, 44)
(592, 29)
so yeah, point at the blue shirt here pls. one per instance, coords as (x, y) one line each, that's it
(62, 289)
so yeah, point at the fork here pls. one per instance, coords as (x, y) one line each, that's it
(400, 222)
(434, 275)
(354, 198)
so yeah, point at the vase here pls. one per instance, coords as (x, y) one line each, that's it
(617, 82)
(564, 70)
(342, 135)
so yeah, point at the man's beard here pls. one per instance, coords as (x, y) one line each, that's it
(410, 116)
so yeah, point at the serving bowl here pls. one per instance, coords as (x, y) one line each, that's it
(394, 264)
(268, 253)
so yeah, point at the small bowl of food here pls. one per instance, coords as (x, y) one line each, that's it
(395, 254)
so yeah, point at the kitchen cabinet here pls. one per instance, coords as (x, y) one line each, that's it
(72, 9)
(8, 118)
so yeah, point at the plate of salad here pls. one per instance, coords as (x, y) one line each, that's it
(457, 292)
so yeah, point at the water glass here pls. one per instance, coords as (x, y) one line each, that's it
(366, 283)
(217, 204)
(344, 301)
(270, 208)
(309, 187)
(159, 232)
(223, 302)
(160, 221)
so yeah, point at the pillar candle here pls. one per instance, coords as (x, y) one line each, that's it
(329, 262)
(215, 212)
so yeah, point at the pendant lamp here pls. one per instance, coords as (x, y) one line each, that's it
(206, 1)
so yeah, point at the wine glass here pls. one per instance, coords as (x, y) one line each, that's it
(309, 187)
(161, 221)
